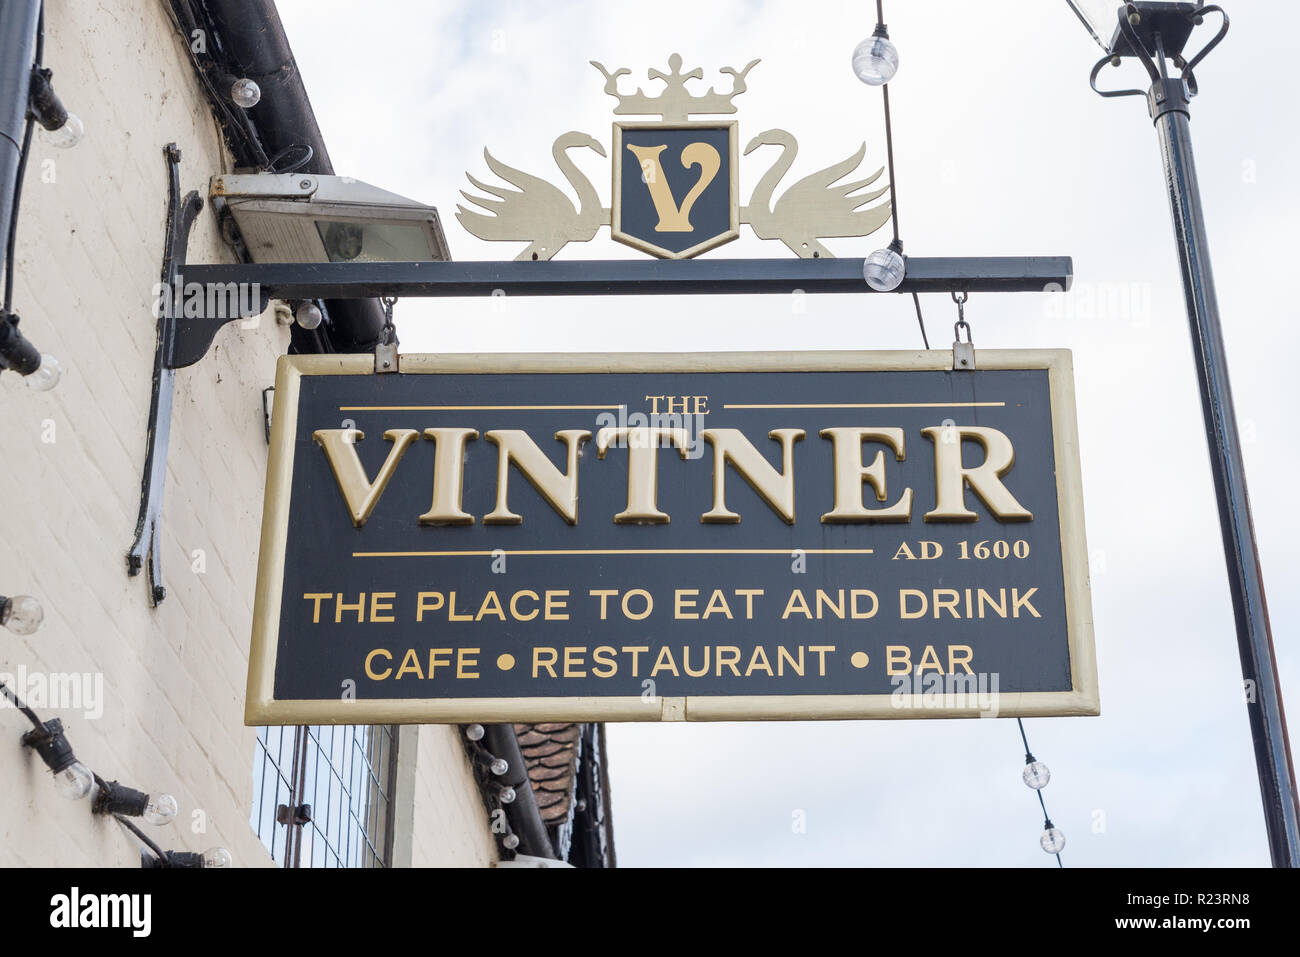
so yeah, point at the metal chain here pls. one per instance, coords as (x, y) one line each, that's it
(390, 330)
(960, 299)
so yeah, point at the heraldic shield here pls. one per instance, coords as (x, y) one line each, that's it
(675, 187)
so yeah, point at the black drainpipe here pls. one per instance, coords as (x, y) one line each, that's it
(253, 45)
(17, 52)
(524, 817)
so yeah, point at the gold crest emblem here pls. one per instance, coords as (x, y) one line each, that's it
(675, 182)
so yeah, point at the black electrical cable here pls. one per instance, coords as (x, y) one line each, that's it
(1039, 791)
(893, 191)
(12, 239)
(22, 706)
(130, 826)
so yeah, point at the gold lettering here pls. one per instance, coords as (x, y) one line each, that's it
(410, 663)
(985, 479)
(642, 468)
(317, 598)
(466, 658)
(434, 663)
(603, 594)
(572, 663)
(556, 605)
(560, 489)
(549, 664)
(674, 218)
(850, 476)
(664, 662)
(898, 660)
(684, 600)
(776, 488)
(340, 606)
(421, 605)
(359, 494)
(514, 605)
(603, 657)
(376, 606)
(370, 657)
(448, 477)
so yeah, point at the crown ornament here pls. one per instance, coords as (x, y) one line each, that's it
(675, 103)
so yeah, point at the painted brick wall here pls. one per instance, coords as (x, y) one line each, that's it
(90, 245)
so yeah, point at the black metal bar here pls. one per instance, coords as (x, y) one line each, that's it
(1169, 108)
(221, 286)
(148, 527)
(631, 277)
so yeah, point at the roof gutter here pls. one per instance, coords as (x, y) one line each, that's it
(251, 42)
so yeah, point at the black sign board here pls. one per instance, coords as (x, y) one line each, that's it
(672, 537)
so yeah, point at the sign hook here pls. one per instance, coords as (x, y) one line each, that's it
(963, 353)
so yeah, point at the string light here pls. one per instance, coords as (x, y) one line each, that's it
(245, 93)
(74, 780)
(21, 614)
(114, 798)
(1036, 775)
(874, 62)
(42, 371)
(212, 857)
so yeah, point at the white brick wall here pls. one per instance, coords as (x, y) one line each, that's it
(90, 245)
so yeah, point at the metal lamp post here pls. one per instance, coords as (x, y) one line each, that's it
(1155, 34)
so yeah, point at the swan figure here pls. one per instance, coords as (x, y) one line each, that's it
(814, 207)
(537, 212)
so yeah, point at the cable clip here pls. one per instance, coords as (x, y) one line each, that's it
(963, 353)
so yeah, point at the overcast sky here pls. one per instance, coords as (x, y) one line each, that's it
(1001, 150)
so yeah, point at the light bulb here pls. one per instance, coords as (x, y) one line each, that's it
(307, 315)
(474, 732)
(1036, 775)
(161, 809)
(499, 766)
(508, 795)
(47, 374)
(21, 614)
(875, 60)
(75, 781)
(510, 841)
(884, 270)
(66, 136)
(245, 92)
(1053, 840)
(217, 857)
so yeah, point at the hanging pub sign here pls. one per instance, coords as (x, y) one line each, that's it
(498, 538)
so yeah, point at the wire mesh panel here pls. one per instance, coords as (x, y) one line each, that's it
(273, 767)
(345, 774)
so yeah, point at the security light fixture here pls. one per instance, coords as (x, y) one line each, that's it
(313, 218)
